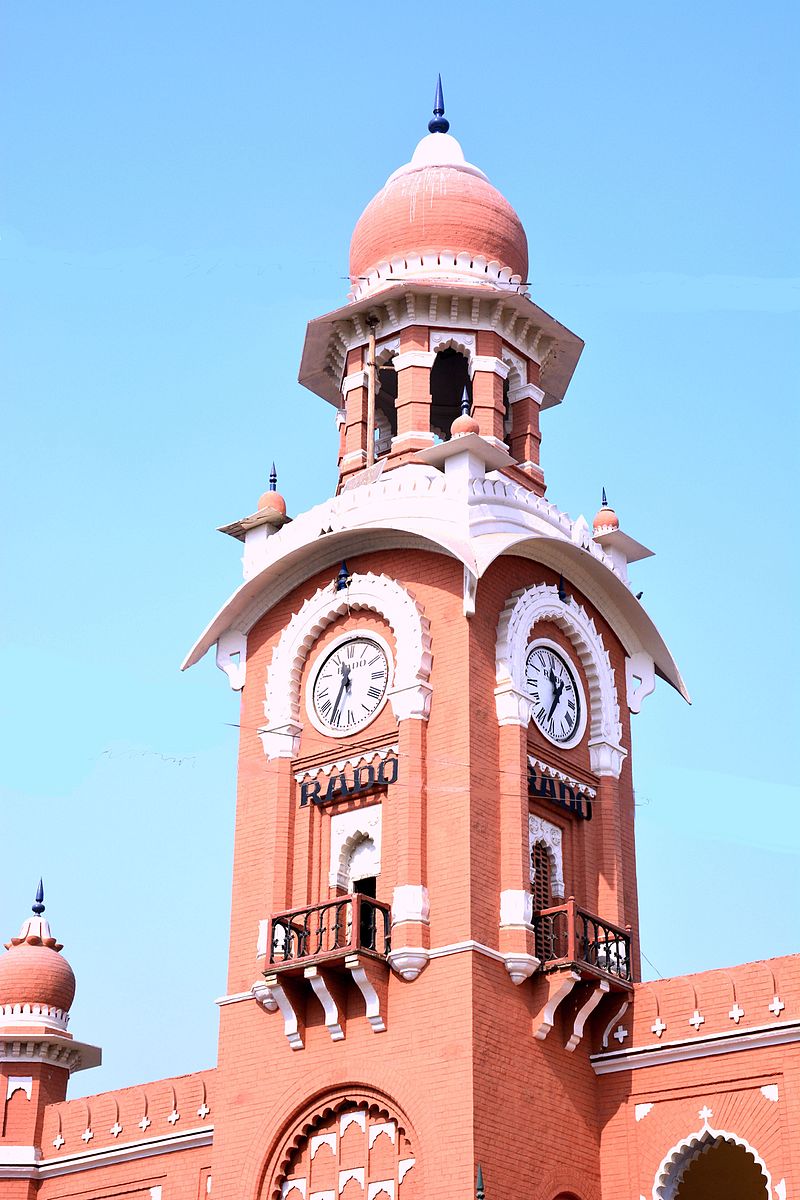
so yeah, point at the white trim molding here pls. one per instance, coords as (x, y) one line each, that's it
(410, 692)
(728, 1042)
(514, 707)
(18, 1162)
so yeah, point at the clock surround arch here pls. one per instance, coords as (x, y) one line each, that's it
(515, 631)
(410, 691)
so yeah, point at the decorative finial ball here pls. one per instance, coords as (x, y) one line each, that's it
(273, 500)
(464, 424)
(606, 520)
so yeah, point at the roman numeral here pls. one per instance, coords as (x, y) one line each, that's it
(325, 708)
(374, 693)
(378, 674)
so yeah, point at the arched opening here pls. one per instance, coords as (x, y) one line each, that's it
(362, 870)
(721, 1170)
(385, 409)
(550, 932)
(449, 378)
(541, 876)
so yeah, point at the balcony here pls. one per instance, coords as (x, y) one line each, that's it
(324, 933)
(567, 935)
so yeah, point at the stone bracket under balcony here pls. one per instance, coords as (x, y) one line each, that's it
(291, 996)
(561, 984)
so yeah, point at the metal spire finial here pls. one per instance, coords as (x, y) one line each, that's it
(343, 577)
(480, 1193)
(273, 479)
(465, 405)
(440, 123)
(38, 905)
(605, 502)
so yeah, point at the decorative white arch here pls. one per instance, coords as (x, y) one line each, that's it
(514, 707)
(453, 339)
(676, 1161)
(349, 830)
(411, 691)
(549, 835)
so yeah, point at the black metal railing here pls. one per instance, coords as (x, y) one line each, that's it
(331, 930)
(569, 934)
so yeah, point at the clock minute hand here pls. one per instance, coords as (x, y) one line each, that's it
(342, 686)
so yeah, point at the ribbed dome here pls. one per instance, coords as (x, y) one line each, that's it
(33, 971)
(36, 975)
(434, 217)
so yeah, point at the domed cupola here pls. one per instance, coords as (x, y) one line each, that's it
(37, 984)
(437, 218)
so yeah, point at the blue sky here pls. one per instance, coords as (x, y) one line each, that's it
(181, 185)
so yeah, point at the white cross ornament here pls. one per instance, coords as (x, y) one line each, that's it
(620, 1034)
(696, 1019)
(174, 1116)
(736, 1013)
(705, 1113)
(116, 1129)
(203, 1111)
(658, 1027)
(87, 1136)
(145, 1123)
(58, 1140)
(777, 1006)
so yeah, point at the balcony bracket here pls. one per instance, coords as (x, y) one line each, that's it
(559, 986)
(291, 1019)
(321, 990)
(357, 968)
(585, 1011)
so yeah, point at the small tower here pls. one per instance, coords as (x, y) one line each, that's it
(37, 1054)
(439, 275)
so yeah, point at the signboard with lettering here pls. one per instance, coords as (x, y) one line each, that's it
(570, 795)
(352, 781)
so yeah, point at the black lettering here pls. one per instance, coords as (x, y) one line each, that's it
(359, 785)
(387, 771)
(309, 790)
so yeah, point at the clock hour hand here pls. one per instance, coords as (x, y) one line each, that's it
(557, 690)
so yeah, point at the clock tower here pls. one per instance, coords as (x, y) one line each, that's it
(434, 917)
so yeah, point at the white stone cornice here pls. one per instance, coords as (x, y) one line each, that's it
(528, 391)
(359, 379)
(486, 362)
(68, 1164)
(413, 358)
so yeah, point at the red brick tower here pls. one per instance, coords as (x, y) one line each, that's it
(434, 900)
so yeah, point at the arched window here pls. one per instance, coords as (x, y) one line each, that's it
(449, 377)
(385, 409)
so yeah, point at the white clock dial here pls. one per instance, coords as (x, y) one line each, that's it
(349, 684)
(557, 696)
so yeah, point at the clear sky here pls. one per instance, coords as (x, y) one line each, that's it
(181, 183)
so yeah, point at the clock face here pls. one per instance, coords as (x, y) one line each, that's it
(557, 696)
(349, 684)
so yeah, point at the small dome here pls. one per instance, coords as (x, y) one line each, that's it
(464, 424)
(272, 498)
(606, 520)
(33, 971)
(434, 217)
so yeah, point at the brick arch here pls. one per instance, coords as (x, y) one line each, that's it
(542, 603)
(289, 1169)
(677, 1161)
(410, 691)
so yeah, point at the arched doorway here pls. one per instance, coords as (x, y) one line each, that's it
(716, 1166)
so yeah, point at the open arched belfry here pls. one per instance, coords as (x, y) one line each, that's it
(434, 983)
